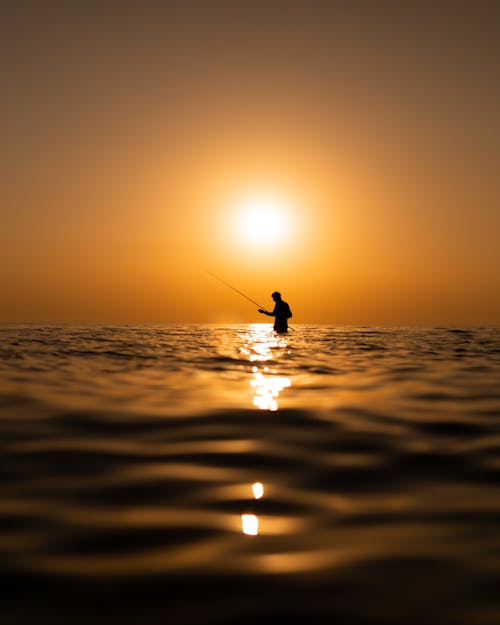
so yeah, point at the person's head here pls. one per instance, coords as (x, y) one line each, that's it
(276, 296)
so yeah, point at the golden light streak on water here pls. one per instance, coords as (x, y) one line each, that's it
(258, 490)
(267, 389)
(260, 345)
(250, 524)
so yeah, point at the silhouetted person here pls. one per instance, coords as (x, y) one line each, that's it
(281, 313)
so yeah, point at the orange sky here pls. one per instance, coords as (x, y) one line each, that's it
(133, 132)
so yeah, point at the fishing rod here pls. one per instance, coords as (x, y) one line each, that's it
(234, 289)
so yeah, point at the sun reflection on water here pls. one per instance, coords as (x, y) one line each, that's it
(260, 346)
(265, 350)
(250, 522)
(258, 490)
(267, 389)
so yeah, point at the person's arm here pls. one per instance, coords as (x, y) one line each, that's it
(269, 314)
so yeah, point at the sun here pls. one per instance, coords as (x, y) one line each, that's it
(263, 220)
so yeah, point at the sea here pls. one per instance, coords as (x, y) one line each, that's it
(196, 474)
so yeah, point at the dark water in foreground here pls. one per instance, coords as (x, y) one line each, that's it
(130, 458)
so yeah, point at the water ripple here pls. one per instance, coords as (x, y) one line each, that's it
(130, 457)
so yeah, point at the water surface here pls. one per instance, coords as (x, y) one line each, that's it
(131, 455)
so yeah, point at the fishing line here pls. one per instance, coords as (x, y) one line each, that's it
(234, 289)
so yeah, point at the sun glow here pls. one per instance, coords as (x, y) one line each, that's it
(263, 220)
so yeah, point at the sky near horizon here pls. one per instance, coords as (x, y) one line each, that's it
(343, 153)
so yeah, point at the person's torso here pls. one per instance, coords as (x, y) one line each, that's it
(282, 310)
